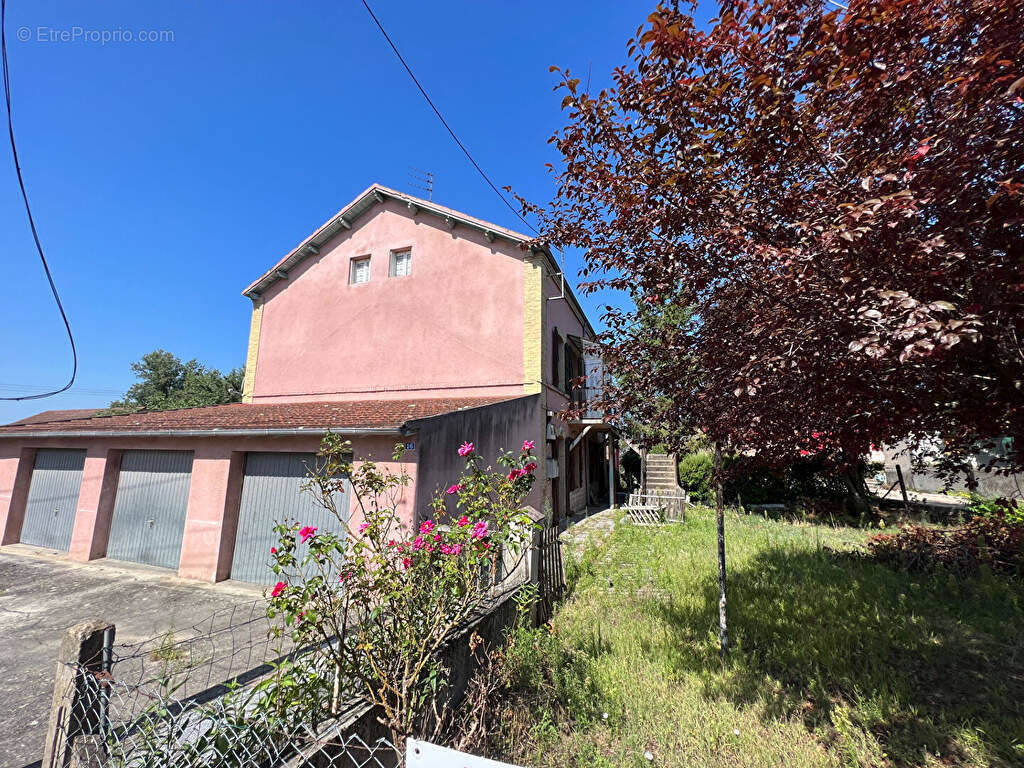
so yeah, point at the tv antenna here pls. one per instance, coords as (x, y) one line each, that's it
(422, 180)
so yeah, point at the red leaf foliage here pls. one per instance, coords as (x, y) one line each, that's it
(836, 198)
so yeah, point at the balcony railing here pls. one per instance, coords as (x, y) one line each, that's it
(585, 398)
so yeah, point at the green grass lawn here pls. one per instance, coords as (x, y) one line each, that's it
(835, 660)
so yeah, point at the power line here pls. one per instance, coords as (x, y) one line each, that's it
(445, 122)
(31, 220)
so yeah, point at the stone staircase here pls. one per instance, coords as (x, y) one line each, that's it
(661, 473)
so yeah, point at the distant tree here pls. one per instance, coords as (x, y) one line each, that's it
(165, 382)
(837, 193)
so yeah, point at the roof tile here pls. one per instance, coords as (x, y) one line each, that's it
(353, 414)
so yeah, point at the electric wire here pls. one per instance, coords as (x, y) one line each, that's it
(31, 219)
(444, 122)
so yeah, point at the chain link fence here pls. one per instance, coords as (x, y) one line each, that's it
(108, 723)
(207, 696)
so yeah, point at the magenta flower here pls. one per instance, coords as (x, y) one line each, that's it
(463, 520)
(515, 474)
(426, 526)
(273, 550)
(456, 548)
(453, 489)
(278, 589)
(417, 543)
(480, 529)
(307, 533)
(530, 467)
(437, 537)
(465, 449)
(363, 527)
(407, 563)
(527, 445)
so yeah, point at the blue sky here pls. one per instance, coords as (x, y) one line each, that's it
(165, 176)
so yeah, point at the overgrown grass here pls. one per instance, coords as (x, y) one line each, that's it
(835, 660)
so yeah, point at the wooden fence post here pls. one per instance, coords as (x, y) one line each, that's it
(74, 737)
(903, 486)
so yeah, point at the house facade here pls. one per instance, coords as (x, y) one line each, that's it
(397, 321)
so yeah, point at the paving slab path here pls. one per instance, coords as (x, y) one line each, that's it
(41, 595)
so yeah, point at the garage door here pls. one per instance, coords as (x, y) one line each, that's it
(272, 492)
(150, 506)
(53, 498)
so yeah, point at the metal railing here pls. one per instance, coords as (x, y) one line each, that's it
(591, 400)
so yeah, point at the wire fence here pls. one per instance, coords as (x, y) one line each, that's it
(107, 723)
(231, 644)
(210, 695)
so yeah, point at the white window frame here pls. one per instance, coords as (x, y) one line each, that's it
(393, 266)
(353, 270)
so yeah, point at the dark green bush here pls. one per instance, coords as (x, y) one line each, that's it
(695, 476)
(751, 484)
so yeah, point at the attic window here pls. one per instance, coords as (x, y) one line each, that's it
(401, 263)
(359, 271)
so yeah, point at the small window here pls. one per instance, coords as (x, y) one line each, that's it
(556, 363)
(359, 271)
(401, 263)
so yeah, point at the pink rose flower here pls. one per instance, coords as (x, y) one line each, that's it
(527, 445)
(363, 527)
(426, 526)
(407, 563)
(463, 520)
(453, 489)
(417, 543)
(307, 533)
(530, 467)
(273, 550)
(437, 537)
(465, 449)
(456, 548)
(278, 589)
(480, 529)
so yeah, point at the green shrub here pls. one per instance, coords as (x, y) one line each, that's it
(807, 479)
(980, 506)
(696, 472)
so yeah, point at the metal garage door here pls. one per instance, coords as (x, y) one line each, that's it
(272, 492)
(53, 498)
(149, 510)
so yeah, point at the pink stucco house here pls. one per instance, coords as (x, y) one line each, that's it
(398, 320)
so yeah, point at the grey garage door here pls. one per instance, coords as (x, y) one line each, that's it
(53, 498)
(150, 506)
(272, 492)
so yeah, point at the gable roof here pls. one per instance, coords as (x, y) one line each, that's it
(367, 199)
(351, 416)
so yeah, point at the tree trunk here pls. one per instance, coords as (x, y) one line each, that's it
(723, 631)
(857, 489)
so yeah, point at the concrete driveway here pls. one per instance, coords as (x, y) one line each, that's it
(42, 594)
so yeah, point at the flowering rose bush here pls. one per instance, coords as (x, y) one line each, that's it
(381, 602)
